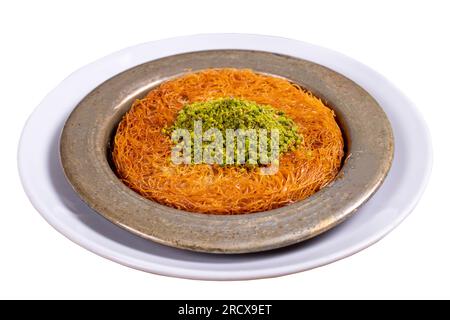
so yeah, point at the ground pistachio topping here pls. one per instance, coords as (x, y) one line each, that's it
(232, 118)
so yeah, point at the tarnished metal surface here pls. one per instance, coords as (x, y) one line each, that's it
(85, 158)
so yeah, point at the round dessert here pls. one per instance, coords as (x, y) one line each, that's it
(227, 141)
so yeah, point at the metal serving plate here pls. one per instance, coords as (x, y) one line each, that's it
(85, 157)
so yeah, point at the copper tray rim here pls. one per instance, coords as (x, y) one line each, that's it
(84, 145)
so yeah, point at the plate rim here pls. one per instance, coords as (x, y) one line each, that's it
(242, 40)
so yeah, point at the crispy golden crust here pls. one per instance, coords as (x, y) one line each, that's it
(141, 152)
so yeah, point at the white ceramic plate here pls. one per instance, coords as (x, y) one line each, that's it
(48, 190)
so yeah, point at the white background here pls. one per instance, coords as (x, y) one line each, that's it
(44, 41)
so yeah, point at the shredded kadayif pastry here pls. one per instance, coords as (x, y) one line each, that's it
(142, 151)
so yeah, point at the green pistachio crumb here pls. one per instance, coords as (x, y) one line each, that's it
(231, 113)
